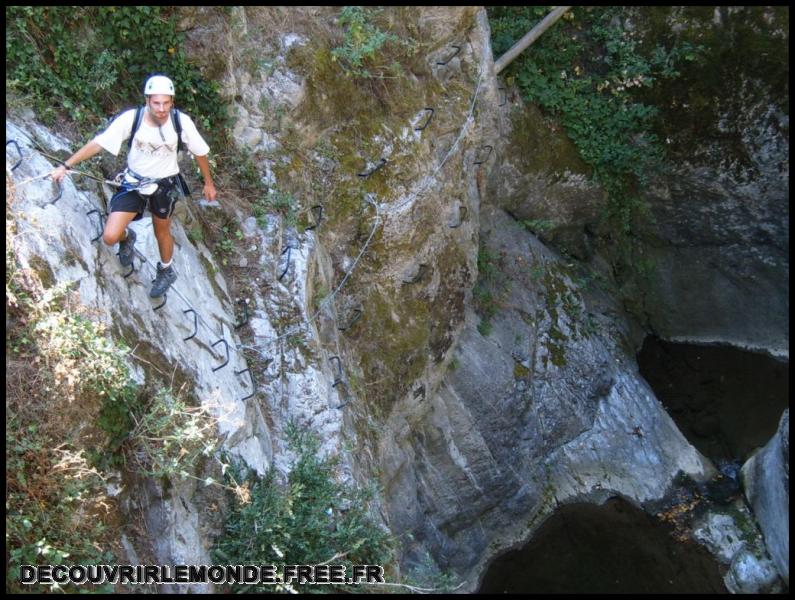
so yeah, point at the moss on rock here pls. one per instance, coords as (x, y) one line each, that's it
(744, 64)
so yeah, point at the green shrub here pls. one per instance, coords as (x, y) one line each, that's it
(310, 520)
(53, 503)
(586, 71)
(58, 363)
(286, 205)
(91, 61)
(363, 51)
(488, 288)
(276, 202)
(169, 437)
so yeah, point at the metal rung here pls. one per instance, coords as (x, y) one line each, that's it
(430, 116)
(245, 313)
(101, 223)
(195, 324)
(380, 164)
(19, 151)
(165, 298)
(317, 219)
(480, 162)
(253, 383)
(60, 193)
(357, 314)
(288, 250)
(457, 50)
(222, 340)
(131, 271)
(338, 378)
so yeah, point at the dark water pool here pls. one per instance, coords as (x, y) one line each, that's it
(613, 548)
(726, 401)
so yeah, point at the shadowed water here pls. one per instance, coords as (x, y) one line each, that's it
(613, 548)
(726, 401)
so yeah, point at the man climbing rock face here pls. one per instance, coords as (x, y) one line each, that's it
(156, 133)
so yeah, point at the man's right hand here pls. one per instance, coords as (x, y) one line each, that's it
(58, 173)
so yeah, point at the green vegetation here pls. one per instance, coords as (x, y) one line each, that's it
(93, 60)
(73, 413)
(360, 54)
(170, 437)
(48, 487)
(426, 577)
(741, 44)
(538, 226)
(284, 204)
(313, 519)
(225, 246)
(196, 235)
(57, 364)
(586, 71)
(489, 286)
(321, 293)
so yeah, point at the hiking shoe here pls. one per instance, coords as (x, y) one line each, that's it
(127, 249)
(165, 277)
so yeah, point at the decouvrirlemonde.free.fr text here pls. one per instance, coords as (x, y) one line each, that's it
(216, 574)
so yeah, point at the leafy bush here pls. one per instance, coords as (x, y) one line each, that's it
(278, 202)
(361, 51)
(53, 504)
(76, 351)
(169, 437)
(585, 71)
(93, 60)
(311, 520)
(56, 364)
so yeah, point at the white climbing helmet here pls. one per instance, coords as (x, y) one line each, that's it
(159, 84)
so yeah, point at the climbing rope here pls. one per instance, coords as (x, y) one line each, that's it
(432, 177)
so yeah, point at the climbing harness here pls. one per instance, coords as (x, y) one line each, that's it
(129, 180)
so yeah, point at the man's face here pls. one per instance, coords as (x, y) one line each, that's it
(159, 107)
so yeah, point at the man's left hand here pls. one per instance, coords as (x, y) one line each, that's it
(209, 192)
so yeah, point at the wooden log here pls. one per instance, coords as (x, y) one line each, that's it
(530, 37)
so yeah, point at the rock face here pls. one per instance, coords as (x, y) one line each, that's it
(766, 480)
(540, 178)
(720, 230)
(545, 409)
(732, 536)
(721, 251)
(718, 235)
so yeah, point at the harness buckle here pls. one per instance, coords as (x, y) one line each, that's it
(133, 181)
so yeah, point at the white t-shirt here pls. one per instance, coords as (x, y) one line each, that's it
(149, 155)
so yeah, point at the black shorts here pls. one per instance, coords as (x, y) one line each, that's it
(161, 203)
